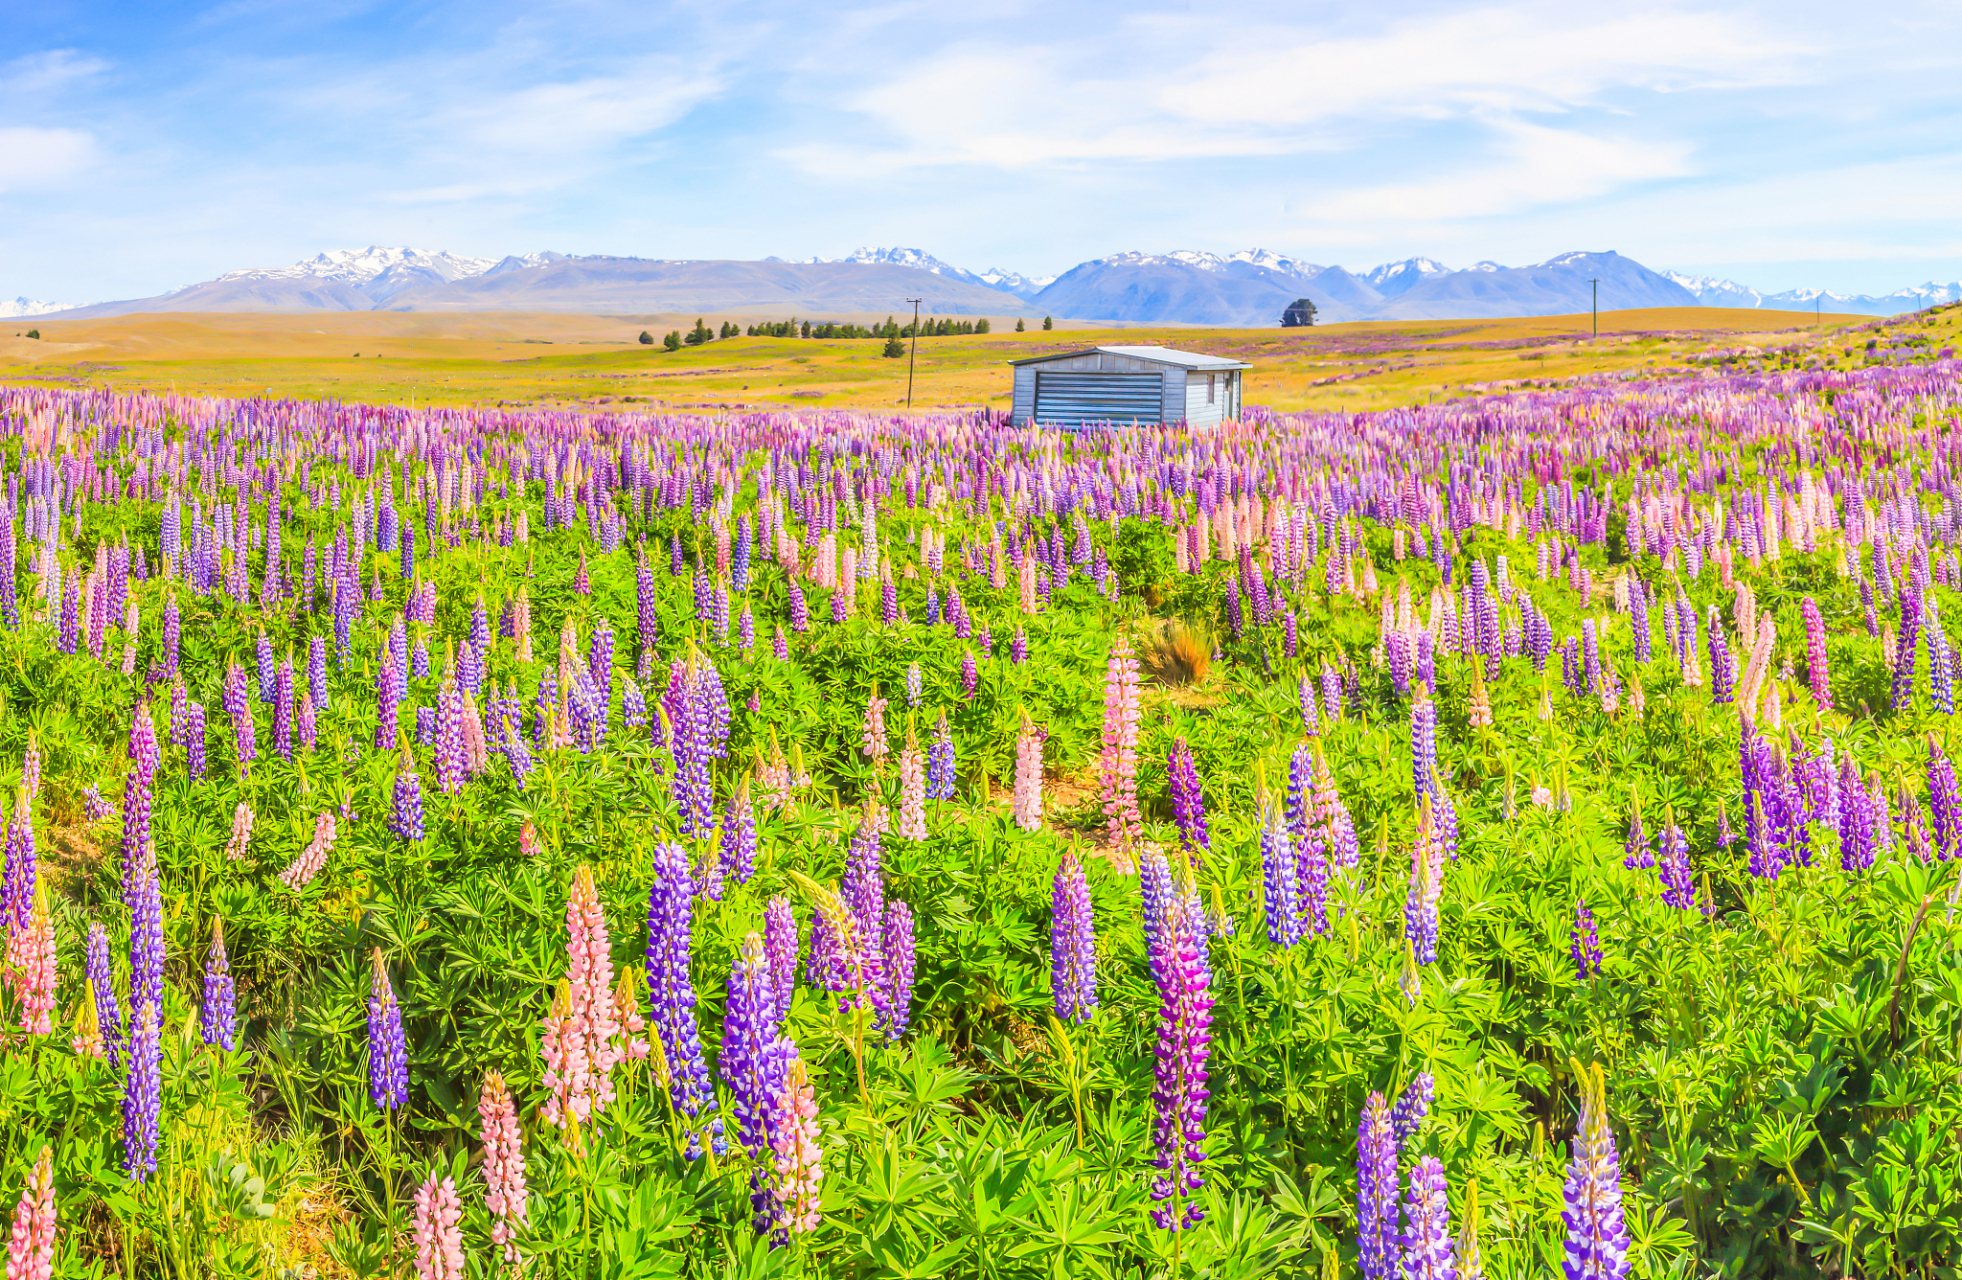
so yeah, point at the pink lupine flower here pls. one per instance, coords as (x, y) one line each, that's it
(874, 740)
(35, 979)
(528, 839)
(912, 791)
(1028, 777)
(30, 1249)
(505, 1194)
(301, 871)
(589, 976)
(439, 1231)
(627, 1014)
(568, 1070)
(241, 833)
(1117, 772)
(798, 1159)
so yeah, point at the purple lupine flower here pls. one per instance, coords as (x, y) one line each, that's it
(317, 672)
(267, 664)
(671, 991)
(1636, 851)
(1420, 914)
(218, 1015)
(1903, 689)
(753, 1060)
(1018, 648)
(940, 762)
(1376, 1191)
(139, 787)
(1072, 942)
(1941, 662)
(1423, 751)
(146, 939)
(1185, 1040)
(194, 735)
(108, 1004)
(1678, 883)
(283, 709)
(1412, 1107)
(451, 754)
(1188, 799)
(1856, 819)
(1586, 944)
(1723, 663)
(172, 633)
(970, 674)
(780, 947)
(517, 755)
(238, 705)
(898, 970)
(1428, 1250)
(406, 819)
(142, 1093)
(1279, 879)
(388, 1050)
(1944, 802)
(1155, 895)
(1597, 1234)
(739, 835)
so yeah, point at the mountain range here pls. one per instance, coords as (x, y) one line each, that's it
(1249, 288)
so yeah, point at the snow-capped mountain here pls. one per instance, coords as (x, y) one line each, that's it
(358, 266)
(1012, 282)
(1015, 282)
(1394, 278)
(23, 307)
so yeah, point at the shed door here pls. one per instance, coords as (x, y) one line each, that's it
(1071, 399)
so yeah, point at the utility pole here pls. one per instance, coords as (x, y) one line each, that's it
(1596, 282)
(914, 353)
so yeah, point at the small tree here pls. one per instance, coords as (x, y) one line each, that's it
(981, 325)
(33, 333)
(1299, 315)
(1019, 326)
(646, 338)
(807, 328)
(673, 341)
(700, 333)
(1047, 323)
(894, 347)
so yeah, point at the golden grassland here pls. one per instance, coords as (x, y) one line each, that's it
(596, 363)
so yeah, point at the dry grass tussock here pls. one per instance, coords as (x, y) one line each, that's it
(1175, 652)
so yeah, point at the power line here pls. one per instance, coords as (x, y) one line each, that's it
(914, 354)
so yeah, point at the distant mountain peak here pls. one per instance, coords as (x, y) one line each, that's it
(20, 308)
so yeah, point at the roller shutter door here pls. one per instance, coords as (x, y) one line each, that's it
(1072, 399)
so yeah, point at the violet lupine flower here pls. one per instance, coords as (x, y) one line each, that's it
(970, 675)
(142, 1093)
(317, 672)
(1941, 663)
(1185, 1039)
(780, 947)
(139, 787)
(897, 1013)
(1376, 1191)
(31, 1246)
(1944, 802)
(406, 819)
(940, 762)
(1586, 943)
(146, 940)
(1678, 883)
(438, 1231)
(218, 1016)
(739, 835)
(22, 871)
(1597, 1234)
(194, 740)
(1420, 917)
(1188, 799)
(1637, 853)
(1072, 942)
(1815, 654)
(388, 1051)
(1279, 878)
(1903, 690)
(1412, 1107)
(1428, 1250)
(238, 705)
(671, 990)
(505, 1193)
(753, 1060)
(108, 1004)
(1856, 819)
(283, 709)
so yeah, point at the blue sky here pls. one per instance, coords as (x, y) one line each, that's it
(147, 146)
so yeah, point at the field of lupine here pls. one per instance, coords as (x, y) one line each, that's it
(1483, 839)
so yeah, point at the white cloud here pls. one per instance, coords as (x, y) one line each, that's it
(39, 74)
(31, 157)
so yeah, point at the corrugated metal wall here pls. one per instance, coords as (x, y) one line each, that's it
(1070, 396)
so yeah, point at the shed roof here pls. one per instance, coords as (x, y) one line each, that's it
(1156, 355)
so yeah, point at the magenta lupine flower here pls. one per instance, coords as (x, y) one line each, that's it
(1815, 654)
(31, 1245)
(388, 1051)
(1072, 942)
(1179, 1094)
(505, 1192)
(671, 989)
(1597, 1235)
(1188, 799)
(970, 674)
(1428, 1250)
(1376, 1191)
(438, 1225)
(1117, 770)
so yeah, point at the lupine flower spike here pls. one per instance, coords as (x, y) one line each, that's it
(31, 1245)
(1597, 1236)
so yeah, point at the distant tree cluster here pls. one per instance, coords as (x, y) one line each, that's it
(944, 328)
(1299, 315)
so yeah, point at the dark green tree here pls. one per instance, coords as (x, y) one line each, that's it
(1299, 315)
(981, 325)
(1047, 323)
(894, 347)
(673, 341)
(1019, 326)
(646, 338)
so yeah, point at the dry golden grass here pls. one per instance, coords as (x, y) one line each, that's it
(595, 363)
(1177, 653)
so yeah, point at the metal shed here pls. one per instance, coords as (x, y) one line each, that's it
(1126, 385)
